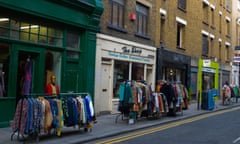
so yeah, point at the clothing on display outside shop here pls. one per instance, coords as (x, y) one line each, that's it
(2, 85)
(27, 79)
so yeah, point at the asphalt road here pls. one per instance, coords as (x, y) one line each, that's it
(222, 127)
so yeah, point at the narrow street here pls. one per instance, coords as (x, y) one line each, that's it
(220, 127)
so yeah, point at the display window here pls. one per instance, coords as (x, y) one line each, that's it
(207, 81)
(121, 73)
(137, 71)
(31, 32)
(4, 68)
(53, 66)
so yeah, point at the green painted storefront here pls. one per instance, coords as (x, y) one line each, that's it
(58, 36)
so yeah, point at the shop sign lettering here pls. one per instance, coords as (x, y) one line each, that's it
(128, 57)
(132, 50)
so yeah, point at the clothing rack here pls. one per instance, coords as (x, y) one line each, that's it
(35, 95)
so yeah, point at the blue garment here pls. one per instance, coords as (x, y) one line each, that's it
(29, 117)
(54, 109)
(89, 118)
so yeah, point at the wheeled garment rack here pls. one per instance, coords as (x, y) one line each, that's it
(39, 115)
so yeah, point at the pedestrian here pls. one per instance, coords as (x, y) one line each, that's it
(226, 92)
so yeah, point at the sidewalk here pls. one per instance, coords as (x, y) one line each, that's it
(106, 126)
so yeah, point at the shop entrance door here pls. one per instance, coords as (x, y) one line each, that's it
(72, 77)
(105, 93)
(29, 74)
(26, 71)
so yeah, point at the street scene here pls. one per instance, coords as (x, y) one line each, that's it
(88, 71)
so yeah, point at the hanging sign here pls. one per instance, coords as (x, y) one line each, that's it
(206, 63)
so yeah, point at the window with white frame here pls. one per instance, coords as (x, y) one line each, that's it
(180, 31)
(239, 5)
(228, 5)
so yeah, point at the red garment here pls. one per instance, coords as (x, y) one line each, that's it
(49, 90)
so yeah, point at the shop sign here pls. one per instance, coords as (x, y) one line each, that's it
(133, 50)
(128, 57)
(208, 70)
(206, 63)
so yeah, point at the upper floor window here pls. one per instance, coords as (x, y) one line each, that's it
(220, 51)
(117, 13)
(228, 5)
(181, 23)
(142, 19)
(220, 23)
(182, 4)
(227, 53)
(212, 17)
(228, 26)
(239, 5)
(180, 30)
(205, 45)
(205, 13)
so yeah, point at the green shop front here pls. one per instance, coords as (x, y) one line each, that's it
(42, 38)
(207, 83)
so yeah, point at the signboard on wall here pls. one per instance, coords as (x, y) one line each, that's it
(206, 63)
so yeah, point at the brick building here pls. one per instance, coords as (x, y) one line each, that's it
(195, 31)
(125, 49)
(179, 41)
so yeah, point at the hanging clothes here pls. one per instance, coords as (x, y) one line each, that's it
(27, 80)
(2, 85)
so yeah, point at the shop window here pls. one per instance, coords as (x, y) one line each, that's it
(208, 81)
(121, 73)
(14, 27)
(4, 24)
(117, 14)
(142, 13)
(137, 71)
(55, 37)
(4, 69)
(52, 66)
(42, 34)
(24, 31)
(73, 44)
